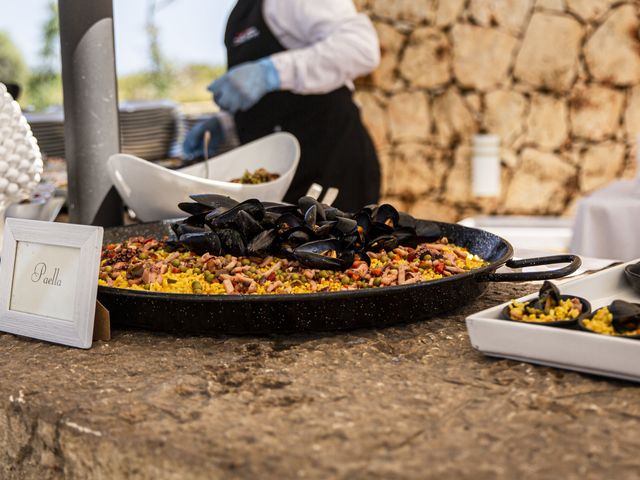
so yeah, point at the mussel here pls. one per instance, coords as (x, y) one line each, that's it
(626, 316)
(323, 255)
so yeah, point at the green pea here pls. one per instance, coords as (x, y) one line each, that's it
(175, 262)
(197, 271)
(246, 261)
(183, 269)
(108, 268)
(196, 285)
(346, 280)
(143, 256)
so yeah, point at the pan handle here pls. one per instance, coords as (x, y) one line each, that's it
(573, 261)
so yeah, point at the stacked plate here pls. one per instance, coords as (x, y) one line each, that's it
(151, 130)
(48, 128)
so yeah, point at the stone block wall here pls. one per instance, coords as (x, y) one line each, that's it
(557, 80)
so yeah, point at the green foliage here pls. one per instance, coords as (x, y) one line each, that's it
(44, 87)
(12, 66)
(188, 84)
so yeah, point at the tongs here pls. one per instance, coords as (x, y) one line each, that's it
(330, 194)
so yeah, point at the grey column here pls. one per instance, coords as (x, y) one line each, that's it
(90, 109)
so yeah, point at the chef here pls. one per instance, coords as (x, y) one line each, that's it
(291, 66)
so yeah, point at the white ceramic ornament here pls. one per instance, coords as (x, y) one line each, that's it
(20, 158)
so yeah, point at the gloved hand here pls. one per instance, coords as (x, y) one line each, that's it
(242, 86)
(193, 145)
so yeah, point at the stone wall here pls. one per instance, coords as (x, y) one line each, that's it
(558, 80)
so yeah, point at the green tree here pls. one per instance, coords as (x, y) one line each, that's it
(12, 66)
(44, 86)
(162, 74)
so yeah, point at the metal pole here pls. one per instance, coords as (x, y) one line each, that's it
(90, 109)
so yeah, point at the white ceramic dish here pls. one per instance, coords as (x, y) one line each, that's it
(562, 348)
(153, 192)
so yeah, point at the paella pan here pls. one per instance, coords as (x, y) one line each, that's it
(344, 307)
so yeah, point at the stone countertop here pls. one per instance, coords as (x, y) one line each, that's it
(413, 401)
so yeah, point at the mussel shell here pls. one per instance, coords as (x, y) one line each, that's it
(345, 226)
(306, 202)
(311, 216)
(384, 242)
(196, 220)
(214, 200)
(626, 316)
(548, 293)
(184, 228)
(406, 236)
(313, 255)
(298, 237)
(586, 312)
(386, 215)
(232, 242)
(247, 225)
(332, 213)
(289, 221)
(324, 229)
(193, 208)
(201, 243)
(263, 243)
(228, 218)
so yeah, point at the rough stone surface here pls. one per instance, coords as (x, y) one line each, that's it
(549, 76)
(409, 116)
(427, 59)
(600, 165)
(412, 401)
(505, 111)
(540, 62)
(507, 14)
(391, 43)
(434, 209)
(557, 5)
(482, 56)
(547, 124)
(452, 119)
(613, 51)
(595, 112)
(448, 11)
(588, 10)
(632, 114)
(418, 169)
(416, 11)
(551, 177)
(374, 116)
(458, 184)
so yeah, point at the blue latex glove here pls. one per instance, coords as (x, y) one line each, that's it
(242, 86)
(193, 146)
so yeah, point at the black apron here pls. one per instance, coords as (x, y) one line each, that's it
(336, 150)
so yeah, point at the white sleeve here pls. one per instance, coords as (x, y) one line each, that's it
(329, 43)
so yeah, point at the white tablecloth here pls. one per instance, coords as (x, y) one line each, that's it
(607, 223)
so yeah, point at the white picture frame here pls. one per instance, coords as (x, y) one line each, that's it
(49, 280)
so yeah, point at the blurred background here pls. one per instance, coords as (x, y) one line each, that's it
(558, 81)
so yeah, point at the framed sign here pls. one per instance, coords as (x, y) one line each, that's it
(49, 280)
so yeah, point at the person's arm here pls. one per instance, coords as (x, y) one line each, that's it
(334, 44)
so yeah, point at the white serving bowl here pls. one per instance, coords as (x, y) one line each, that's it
(153, 192)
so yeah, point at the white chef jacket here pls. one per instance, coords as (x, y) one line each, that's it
(328, 44)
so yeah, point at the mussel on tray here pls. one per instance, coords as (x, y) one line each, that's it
(549, 308)
(621, 318)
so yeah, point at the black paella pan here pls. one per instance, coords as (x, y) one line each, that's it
(325, 311)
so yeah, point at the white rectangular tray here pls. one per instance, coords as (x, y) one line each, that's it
(562, 348)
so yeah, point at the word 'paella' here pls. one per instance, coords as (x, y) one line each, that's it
(148, 264)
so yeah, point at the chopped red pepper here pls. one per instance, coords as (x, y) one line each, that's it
(439, 268)
(376, 272)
